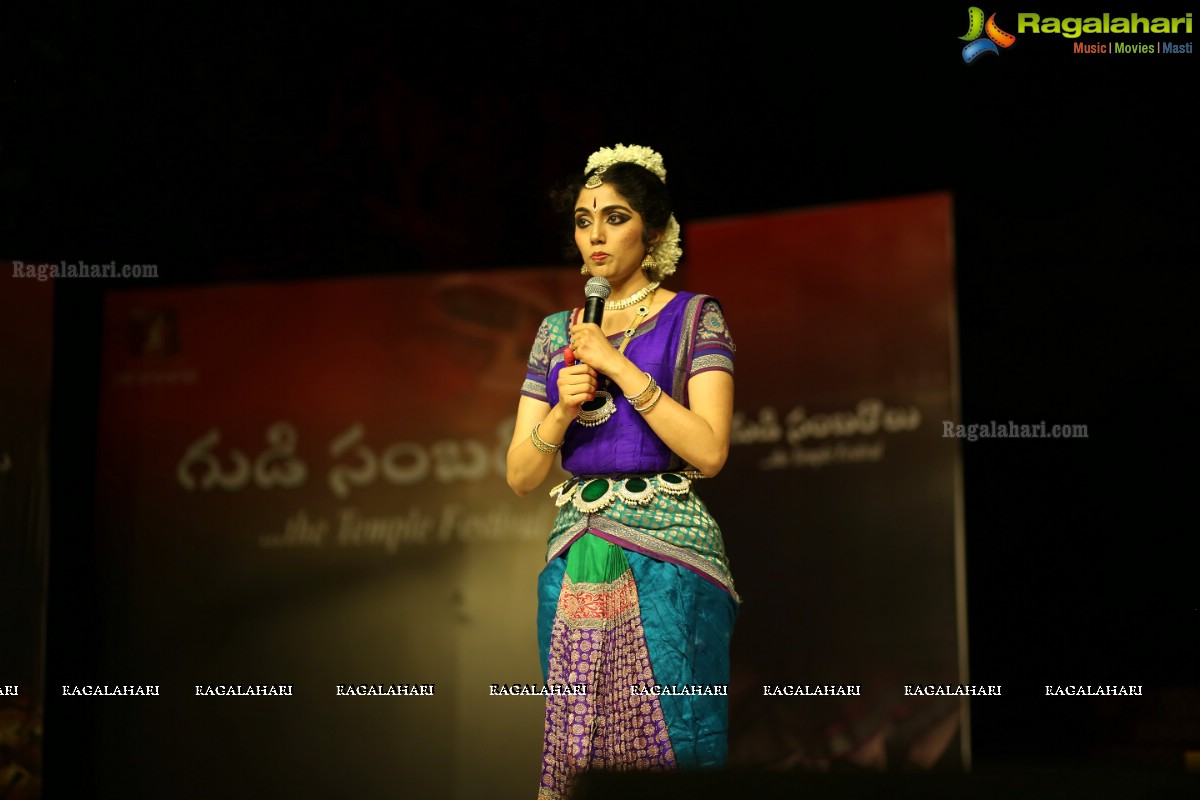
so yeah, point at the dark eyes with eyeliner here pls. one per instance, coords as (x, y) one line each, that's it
(612, 219)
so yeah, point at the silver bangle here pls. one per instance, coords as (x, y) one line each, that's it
(540, 443)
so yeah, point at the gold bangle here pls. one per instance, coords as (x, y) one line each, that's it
(540, 443)
(650, 405)
(644, 395)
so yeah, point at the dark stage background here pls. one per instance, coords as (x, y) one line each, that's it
(243, 142)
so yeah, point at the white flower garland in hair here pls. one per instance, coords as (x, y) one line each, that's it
(666, 252)
(633, 153)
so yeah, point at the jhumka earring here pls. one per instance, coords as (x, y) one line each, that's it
(648, 263)
(584, 270)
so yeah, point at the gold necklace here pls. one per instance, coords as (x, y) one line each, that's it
(598, 410)
(617, 305)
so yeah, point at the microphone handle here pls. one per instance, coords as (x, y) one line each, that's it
(593, 309)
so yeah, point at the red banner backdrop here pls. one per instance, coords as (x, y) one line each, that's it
(301, 486)
(840, 500)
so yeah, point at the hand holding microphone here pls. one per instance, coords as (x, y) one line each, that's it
(577, 382)
(596, 291)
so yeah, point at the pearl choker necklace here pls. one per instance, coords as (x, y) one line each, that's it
(636, 297)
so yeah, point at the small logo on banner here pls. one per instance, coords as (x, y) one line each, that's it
(153, 332)
(976, 28)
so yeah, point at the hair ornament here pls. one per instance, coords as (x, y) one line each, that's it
(597, 179)
(633, 153)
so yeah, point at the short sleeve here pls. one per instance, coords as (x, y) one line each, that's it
(538, 369)
(712, 343)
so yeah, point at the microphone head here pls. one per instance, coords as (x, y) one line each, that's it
(597, 287)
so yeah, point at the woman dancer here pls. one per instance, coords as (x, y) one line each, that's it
(636, 600)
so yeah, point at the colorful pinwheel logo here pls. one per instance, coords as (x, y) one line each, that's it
(976, 27)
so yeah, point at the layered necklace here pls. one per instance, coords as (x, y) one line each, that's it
(598, 410)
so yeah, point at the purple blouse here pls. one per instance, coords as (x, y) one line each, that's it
(687, 337)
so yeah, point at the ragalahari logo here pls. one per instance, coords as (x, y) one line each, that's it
(976, 27)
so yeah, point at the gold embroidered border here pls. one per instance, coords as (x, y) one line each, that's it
(598, 606)
(683, 353)
(646, 542)
(534, 388)
(713, 361)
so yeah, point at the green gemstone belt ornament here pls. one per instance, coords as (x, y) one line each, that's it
(636, 491)
(595, 495)
(590, 495)
(562, 492)
(673, 483)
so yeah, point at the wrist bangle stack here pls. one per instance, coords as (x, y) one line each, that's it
(657, 395)
(542, 444)
(644, 400)
(639, 400)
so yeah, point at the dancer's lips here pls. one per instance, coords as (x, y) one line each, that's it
(599, 255)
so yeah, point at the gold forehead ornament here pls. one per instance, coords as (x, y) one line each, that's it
(596, 180)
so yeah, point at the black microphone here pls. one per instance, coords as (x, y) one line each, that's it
(597, 291)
